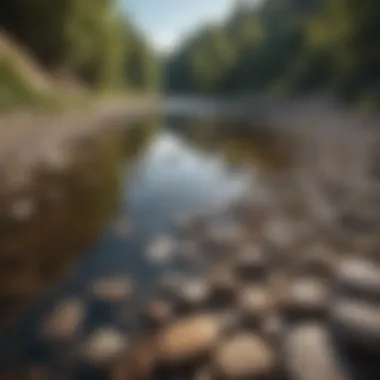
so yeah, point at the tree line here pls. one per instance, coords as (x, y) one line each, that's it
(92, 40)
(284, 47)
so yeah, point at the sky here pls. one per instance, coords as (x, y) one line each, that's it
(166, 22)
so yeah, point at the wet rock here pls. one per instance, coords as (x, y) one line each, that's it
(244, 356)
(161, 249)
(225, 235)
(254, 303)
(223, 284)
(203, 373)
(189, 252)
(112, 289)
(359, 277)
(122, 228)
(357, 322)
(318, 262)
(188, 339)
(192, 292)
(251, 263)
(104, 346)
(65, 320)
(23, 209)
(138, 364)
(307, 298)
(158, 312)
(273, 328)
(309, 355)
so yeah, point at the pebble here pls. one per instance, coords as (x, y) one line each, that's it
(308, 355)
(357, 322)
(307, 297)
(23, 209)
(112, 289)
(244, 356)
(359, 277)
(158, 312)
(138, 364)
(65, 320)
(161, 250)
(251, 263)
(223, 284)
(193, 292)
(188, 339)
(254, 303)
(104, 346)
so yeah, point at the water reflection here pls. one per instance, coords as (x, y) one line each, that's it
(125, 189)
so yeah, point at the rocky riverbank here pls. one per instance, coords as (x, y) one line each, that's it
(282, 284)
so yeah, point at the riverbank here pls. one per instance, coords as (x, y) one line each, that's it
(33, 138)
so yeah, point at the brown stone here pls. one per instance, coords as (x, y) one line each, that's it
(65, 320)
(188, 339)
(244, 356)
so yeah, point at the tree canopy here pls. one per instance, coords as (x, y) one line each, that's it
(91, 39)
(284, 46)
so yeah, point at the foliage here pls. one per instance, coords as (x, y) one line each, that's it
(90, 39)
(284, 45)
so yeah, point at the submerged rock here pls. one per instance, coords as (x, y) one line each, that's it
(309, 355)
(254, 303)
(112, 289)
(158, 312)
(244, 356)
(188, 339)
(65, 320)
(161, 249)
(251, 263)
(104, 346)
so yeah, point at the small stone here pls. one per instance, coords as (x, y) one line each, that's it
(225, 235)
(250, 263)
(359, 277)
(23, 209)
(309, 355)
(158, 312)
(122, 228)
(65, 320)
(188, 339)
(203, 373)
(223, 284)
(244, 356)
(161, 249)
(188, 251)
(357, 322)
(254, 302)
(104, 346)
(112, 289)
(138, 364)
(193, 292)
(307, 298)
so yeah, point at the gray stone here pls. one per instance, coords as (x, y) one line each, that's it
(309, 355)
(188, 339)
(359, 277)
(104, 346)
(357, 322)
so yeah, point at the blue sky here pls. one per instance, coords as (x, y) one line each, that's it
(167, 21)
